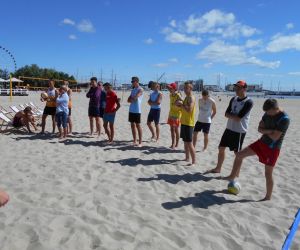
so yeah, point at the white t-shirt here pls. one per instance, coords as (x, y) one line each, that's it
(205, 110)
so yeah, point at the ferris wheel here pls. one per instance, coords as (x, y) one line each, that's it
(8, 63)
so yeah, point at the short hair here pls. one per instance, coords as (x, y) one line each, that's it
(205, 92)
(135, 79)
(188, 82)
(270, 104)
(94, 78)
(27, 109)
(64, 87)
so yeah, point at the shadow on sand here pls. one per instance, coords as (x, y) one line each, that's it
(133, 162)
(175, 178)
(203, 200)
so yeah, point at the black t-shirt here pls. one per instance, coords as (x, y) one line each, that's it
(279, 122)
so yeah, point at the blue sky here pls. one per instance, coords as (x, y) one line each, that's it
(258, 41)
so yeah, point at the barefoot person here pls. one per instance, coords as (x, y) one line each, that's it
(62, 112)
(154, 113)
(187, 122)
(50, 108)
(4, 198)
(174, 114)
(273, 127)
(112, 106)
(24, 118)
(70, 93)
(207, 111)
(94, 106)
(238, 115)
(135, 100)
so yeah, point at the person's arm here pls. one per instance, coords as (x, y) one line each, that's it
(158, 100)
(118, 104)
(89, 93)
(139, 93)
(70, 92)
(245, 110)
(274, 134)
(228, 110)
(190, 104)
(214, 110)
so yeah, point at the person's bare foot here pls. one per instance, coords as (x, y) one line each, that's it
(265, 199)
(139, 145)
(204, 149)
(228, 178)
(187, 159)
(4, 198)
(213, 171)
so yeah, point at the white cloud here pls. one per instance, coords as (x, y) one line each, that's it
(281, 43)
(220, 52)
(86, 25)
(68, 21)
(149, 41)
(297, 73)
(208, 65)
(289, 26)
(176, 37)
(188, 65)
(173, 60)
(72, 37)
(161, 65)
(216, 22)
(173, 23)
(253, 43)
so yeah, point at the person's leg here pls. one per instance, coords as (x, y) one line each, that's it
(112, 131)
(205, 141)
(237, 164)
(195, 138)
(149, 124)
(177, 136)
(70, 125)
(133, 131)
(140, 133)
(43, 123)
(91, 125)
(192, 152)
(105, 125)
(269, 182)
(59, 123)
(172, 130)
(98, 125)
(157, 131)
(221, 158)
(53, 124)
(186, 151)
(65, 124)
(4, 198)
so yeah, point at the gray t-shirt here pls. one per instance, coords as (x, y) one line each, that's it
(279, 122)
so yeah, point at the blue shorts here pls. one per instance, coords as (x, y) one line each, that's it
(62, 119)
(154, 115)
(109, 117)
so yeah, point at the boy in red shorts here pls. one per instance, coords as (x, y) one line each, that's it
(273, 127)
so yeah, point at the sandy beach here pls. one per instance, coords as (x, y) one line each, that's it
(85, 194)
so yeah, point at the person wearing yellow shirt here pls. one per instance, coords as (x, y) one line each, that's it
(174, 114)
(50, 108)
(187, 120)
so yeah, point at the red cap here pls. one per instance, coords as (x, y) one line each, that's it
(241, 83)
(172, 86)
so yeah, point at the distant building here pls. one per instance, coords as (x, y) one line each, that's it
(250, 87)
(213, 88)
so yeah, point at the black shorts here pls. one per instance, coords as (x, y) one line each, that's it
(70, 111)
(201, 126)
(186, 133)
(101, 112)
(154, 115)
(134, 117)
(94, 112)
(232, 140)
(49, 110)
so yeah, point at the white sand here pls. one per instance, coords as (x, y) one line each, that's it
(83, 194)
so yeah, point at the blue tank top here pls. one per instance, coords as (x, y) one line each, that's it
(135, 107)
(153, 97)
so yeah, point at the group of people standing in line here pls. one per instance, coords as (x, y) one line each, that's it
(104, 103)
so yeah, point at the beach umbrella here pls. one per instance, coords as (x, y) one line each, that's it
(15, 80)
